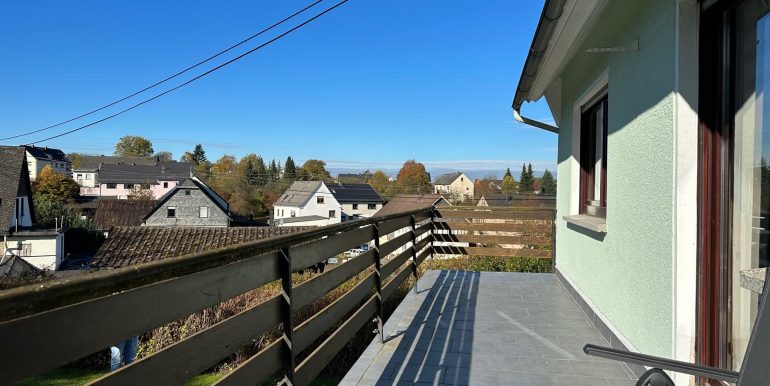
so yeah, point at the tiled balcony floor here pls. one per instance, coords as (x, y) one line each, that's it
(487, 328)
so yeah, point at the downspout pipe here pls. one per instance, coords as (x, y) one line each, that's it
(552, 12)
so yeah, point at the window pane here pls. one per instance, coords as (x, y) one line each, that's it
(599, 147)
(751, 185)
(204, 212)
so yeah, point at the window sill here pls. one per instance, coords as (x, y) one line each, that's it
(596, 224)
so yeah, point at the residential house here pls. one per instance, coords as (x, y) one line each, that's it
(135, 245)
(40, 157)
(662, 192)
(87, 172)
(357, 200)
(407, 202)
(307, 203)
(456, 186)
(353, 178)
(192, 203)
(516, 200)
(42, 248)
(121, 213)
(124, 180)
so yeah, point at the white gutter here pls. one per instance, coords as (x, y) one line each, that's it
(534, 123)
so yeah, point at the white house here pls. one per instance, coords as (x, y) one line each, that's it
(357, 200)
(40, 157)
(456, 186)
(87, 172)
(307, 203)
(41, 248)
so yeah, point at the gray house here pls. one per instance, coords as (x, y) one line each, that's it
(191, 203)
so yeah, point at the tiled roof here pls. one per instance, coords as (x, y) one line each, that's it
(289, 220)
(298, 193)
(135, 245)
(14, 181)
(407, 202)
(493, 199)
(14, 266)
(46, 153)
(92, 162)
(354, 193)
(447, 179)
(144, 174)
(114, 213)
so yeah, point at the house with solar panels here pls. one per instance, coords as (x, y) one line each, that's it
(357, 200)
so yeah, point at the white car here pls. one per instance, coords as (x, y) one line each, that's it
(355, 252)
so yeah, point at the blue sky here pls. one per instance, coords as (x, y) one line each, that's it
(371, 84)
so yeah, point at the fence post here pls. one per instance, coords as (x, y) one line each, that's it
(378, 282)
(287, 316)
(432, 231)
(414, 250)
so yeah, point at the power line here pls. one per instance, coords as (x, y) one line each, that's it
(170, 77)
(197, 77)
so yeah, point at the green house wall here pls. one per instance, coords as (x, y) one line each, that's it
(627, 273)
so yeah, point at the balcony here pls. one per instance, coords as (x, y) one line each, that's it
(456, 328)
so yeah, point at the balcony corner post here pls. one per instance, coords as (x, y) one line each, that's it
(378, 282)
(414, 251)
(432, 231)
(287, 316)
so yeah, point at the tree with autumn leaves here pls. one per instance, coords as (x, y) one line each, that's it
(413, 178)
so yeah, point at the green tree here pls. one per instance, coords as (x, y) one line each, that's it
(527, 181)
(509, 185)
(199, 155)
(133, 146)
(507, 173)
(274, 172)
(382, 184)
(413, 178)
(289, 169)
(164, 156)
(187, 157)
(253, 169)
(314, 170)
(547, 183)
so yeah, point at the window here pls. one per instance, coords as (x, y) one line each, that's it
(128, 186)
(165, 185)
(145, 186)
(171, 211)
(204, 212)
(372, 206)
(88, 176)
(332, 213)
(26, 250)
(112, 186)
(355, 206)
(187, 192)
(80, 176)
(319, 200)
(593, 158)
(293, 214)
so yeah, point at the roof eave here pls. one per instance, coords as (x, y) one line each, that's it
(562, 27)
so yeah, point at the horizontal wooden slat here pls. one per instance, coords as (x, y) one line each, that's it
(501, 208)
(502, 252)
(466, 226)
(196, 353)
(391, 266)
(423, 216)
(72, 332)
(392, 245)
(394, 225)
(492, 239)
(308, 254)
(423, 255)
(423, 228)
(422, 243)
(313, 328)
(305, 293)
(390, 288)
(496, 214)
(321, 356)
(256, 369)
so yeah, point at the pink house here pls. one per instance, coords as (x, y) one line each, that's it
(122, 181)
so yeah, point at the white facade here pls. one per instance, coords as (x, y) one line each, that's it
(22, 217)
(460, 188)
(353, 211)
(320, 204)
(86, 178)
(35, 166)
(43, 249)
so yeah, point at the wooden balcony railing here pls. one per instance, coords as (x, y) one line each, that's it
(47, 325)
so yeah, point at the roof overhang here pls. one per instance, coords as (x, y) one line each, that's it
(562, 27)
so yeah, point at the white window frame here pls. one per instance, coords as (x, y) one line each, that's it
(201, 210)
